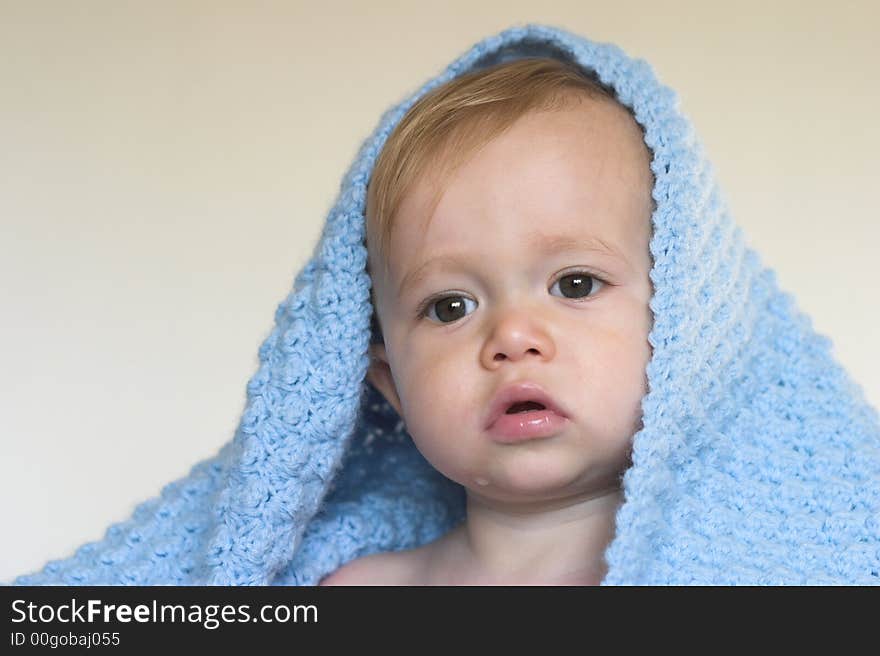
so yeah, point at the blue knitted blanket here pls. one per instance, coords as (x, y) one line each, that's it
(758, 461)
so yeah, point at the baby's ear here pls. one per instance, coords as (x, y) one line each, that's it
(379, 374)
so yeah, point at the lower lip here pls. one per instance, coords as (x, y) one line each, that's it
(526, 426)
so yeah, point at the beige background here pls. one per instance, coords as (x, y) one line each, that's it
(165, 168)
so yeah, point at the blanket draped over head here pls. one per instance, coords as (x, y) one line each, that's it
(758, 461)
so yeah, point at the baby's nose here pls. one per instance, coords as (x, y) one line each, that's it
(504, 356)
(517, 338)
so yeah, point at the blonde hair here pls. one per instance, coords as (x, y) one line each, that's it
(451, 122)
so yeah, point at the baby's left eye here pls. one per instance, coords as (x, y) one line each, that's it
(577, 285)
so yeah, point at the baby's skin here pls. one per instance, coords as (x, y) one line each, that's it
(532, 269)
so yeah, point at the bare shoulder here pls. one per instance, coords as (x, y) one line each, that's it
(389, 568)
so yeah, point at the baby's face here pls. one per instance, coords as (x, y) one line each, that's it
(511, 282)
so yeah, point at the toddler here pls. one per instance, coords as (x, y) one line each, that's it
(508, 223)
(588, 377)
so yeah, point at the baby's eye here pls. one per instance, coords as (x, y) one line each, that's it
(448, 308)
(577, 285)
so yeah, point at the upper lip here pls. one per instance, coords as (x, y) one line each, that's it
(517, 392)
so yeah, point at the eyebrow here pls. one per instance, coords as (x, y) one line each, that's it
(546, 243)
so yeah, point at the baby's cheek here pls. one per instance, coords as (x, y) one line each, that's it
(443, 412)
(609, 353)
(611, 382)
(632, 385)
(427, 393)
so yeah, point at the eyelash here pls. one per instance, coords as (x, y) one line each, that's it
(422, 310)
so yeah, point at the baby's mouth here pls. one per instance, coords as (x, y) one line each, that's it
(524, 406)
(522, 398)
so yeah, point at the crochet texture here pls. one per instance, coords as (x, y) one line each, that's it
(758, 461)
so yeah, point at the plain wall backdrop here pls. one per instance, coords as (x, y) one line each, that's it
(166, 168)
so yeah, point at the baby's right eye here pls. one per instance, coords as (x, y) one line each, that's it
(445, 309)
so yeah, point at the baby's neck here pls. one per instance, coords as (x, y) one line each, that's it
(555, 545)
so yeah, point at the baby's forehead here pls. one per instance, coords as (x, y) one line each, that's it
(561, 181)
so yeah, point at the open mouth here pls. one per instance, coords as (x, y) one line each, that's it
(524, 406)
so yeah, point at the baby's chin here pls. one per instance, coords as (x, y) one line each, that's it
(530, 481)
